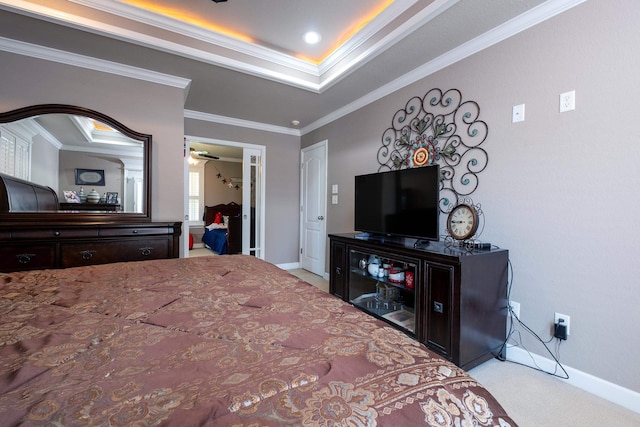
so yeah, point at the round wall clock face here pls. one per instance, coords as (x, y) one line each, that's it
(462, 222)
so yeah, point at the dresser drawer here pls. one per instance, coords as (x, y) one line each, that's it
(75, 254)
(31, 257)
(53, 233)
(142, 231)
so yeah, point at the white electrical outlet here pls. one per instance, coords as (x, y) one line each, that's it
(515, 308)
(566, 320)
(568, 101)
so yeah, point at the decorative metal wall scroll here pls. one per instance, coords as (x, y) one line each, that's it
(438, 128)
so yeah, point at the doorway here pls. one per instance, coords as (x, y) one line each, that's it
(313, 209)
(251, 185)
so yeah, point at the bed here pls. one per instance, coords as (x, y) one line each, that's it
(214, 341)
(226, 239)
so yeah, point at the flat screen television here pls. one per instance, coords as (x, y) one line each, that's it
(400, 203)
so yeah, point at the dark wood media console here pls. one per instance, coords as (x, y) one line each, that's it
(458, 298)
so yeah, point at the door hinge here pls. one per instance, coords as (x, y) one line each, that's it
(300, 251)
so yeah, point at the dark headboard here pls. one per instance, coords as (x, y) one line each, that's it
(230, 209)
(17, 195)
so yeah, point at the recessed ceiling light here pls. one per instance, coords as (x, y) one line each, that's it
(295, 122)
(312, 37)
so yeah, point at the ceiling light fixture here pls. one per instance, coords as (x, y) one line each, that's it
(312, 37)
(219, 1)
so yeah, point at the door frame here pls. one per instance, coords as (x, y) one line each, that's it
(323, 242)
(262, 209)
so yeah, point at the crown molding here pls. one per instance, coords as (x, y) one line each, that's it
(138, 14)
(45, 13)
(308, 76)
(342, 67)
(214, 118)
(63, 57)
(539, 14)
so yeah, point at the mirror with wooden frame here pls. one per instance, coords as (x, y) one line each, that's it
(80, 154)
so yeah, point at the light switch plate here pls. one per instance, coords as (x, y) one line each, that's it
(334, 199)
(334, 189)
(517, 114)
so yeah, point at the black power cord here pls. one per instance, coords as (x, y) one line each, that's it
(513, 331)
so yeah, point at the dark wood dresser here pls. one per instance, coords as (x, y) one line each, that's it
(59, 245)
(35, 235)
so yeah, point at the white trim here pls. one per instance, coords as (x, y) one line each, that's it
(63, 57)
(214, 118)
(315, 78)
(376, 26)
(289, 266)
(606, 390)
(416, 21)
(538, 14)
(133, 37)
(138, 14)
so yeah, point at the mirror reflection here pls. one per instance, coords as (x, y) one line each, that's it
(88, 163)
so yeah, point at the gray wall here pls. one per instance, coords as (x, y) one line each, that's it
(560, 190)
(215, 191)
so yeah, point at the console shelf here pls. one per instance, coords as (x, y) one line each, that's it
(456, 303)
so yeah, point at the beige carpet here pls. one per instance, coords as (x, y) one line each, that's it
(537, 399)
(532, 398)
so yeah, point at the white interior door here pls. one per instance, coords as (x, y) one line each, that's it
(252, 209)
(313, 234)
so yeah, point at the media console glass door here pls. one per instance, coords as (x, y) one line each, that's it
(384, 286)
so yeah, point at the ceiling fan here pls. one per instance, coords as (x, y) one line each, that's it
(202, 154)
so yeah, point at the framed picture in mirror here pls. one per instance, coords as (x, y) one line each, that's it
(89, 177)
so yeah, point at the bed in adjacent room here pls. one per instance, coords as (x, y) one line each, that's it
(214, 341)
(223, 228)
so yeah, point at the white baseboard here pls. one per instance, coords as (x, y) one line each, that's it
(587, 382)
(289, 266)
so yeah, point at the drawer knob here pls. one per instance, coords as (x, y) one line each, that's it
(135, 231)
(145, 251)
(438, 307)
(56, 233)
(86, 255)
(25, 258)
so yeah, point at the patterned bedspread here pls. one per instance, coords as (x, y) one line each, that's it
(214, 341)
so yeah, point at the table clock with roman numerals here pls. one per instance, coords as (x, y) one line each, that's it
(462, 222)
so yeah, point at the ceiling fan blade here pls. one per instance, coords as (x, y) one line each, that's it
(208, 156)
